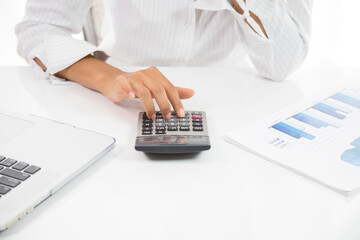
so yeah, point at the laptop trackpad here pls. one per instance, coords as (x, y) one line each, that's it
(11, 127)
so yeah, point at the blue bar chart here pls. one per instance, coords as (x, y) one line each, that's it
(331, 112)
(319, 138)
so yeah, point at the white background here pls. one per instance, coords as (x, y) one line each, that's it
(335, 35)
(334, 43)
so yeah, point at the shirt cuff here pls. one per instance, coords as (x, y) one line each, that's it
(63, 51)
(58, 52)
(40, 53)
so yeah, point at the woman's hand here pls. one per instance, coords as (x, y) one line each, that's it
(148, 84)
(118, 85)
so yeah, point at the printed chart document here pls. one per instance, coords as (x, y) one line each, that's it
(319, 140)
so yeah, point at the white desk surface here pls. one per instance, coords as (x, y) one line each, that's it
(224, 193)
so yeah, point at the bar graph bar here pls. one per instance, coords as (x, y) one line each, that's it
(337, 106)
(350, 93)
(292, 123)
(325, 119)
(291, 131)
(322, 107)
(342, 97)
(310, 120)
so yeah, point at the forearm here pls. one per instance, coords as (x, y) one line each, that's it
(285, 30)
(277, 58)
(118, 85)
(91, 73)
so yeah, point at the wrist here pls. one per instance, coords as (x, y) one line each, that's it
(94, 74)
(106, 81)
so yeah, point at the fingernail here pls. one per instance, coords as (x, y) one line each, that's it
(168, 115)
(182, 112)
(153, 117)
(131, 95)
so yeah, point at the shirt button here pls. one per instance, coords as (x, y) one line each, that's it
(188, 25)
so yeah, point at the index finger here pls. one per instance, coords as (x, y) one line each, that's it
(171, 91)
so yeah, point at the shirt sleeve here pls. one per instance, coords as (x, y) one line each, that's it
(45, 33)
(288, 26)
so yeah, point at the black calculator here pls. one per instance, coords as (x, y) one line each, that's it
(186, 134)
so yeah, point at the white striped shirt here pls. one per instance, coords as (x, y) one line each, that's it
(170, 33)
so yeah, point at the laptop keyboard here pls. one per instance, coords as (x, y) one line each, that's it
(13, 173)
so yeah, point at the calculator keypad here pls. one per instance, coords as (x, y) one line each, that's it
(177, 135)
(191, 122)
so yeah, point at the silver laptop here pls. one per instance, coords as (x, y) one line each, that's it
(37, 157)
